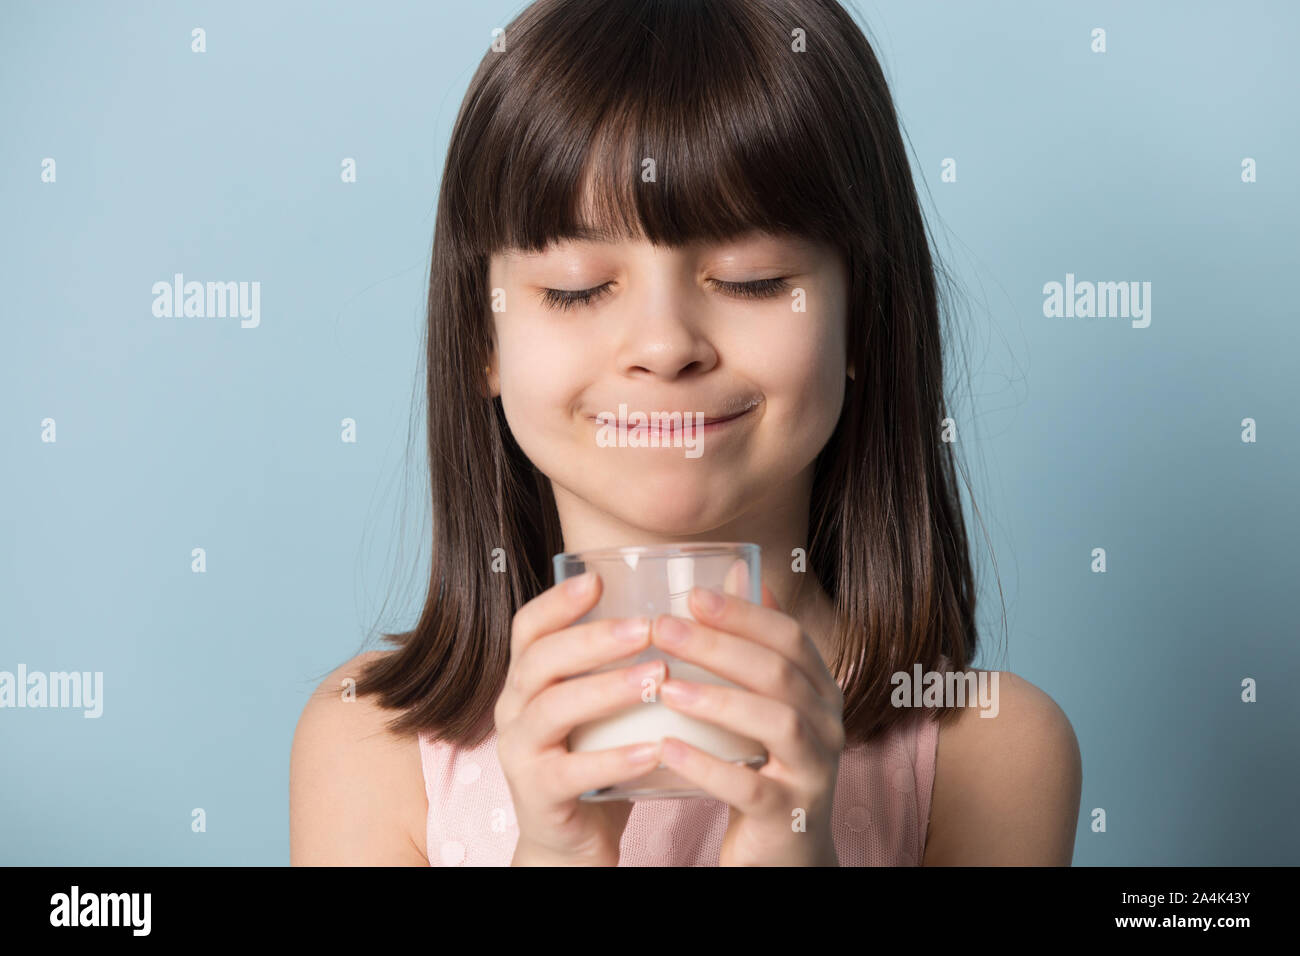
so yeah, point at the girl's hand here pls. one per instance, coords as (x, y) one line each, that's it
(781, 813)
(538, 708)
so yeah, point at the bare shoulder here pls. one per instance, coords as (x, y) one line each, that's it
(356, 791)
(1006, 787)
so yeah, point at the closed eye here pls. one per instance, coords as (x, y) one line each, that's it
(568, 298)
(757, 289)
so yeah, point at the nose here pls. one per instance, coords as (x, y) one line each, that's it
(664, 337)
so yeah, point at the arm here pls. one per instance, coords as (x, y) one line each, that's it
(356, 792)
(1006, 788)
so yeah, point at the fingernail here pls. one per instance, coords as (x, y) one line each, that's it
(671, 630)
(738, 579)
(579, 586)
(679, 692)
(653, 671)
(632, 630)
(709, 599)
(642, 754)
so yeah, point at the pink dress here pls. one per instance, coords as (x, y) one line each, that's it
(880, 815)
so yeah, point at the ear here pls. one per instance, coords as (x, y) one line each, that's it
(490, 386)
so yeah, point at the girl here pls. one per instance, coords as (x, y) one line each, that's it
(702, 207)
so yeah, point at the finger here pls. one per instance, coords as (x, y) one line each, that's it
(734, 784)
(781, 728)
(551, 716)
(752, 666)
(574, 651)
(570, 775)
(769, 599)
(736, 581)
(556, 607)
(771, 628)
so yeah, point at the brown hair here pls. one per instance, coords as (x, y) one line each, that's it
(747, 131)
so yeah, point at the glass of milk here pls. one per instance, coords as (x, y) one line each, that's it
(647, 582)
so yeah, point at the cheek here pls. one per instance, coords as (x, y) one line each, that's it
(540, 367)
(798, 360)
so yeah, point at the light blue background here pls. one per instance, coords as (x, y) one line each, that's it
(178, 433)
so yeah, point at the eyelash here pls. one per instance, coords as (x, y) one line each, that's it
(758, 289)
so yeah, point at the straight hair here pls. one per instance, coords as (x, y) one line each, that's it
(756, 114)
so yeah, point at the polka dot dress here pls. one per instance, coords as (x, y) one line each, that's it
(881, 810)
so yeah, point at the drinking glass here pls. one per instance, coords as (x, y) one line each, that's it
(646, 582)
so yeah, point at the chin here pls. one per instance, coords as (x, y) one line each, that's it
(671, 516)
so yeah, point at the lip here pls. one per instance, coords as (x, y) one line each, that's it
(710, 425)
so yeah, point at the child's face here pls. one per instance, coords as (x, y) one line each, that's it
(663, 336)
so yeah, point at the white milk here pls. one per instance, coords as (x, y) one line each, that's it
(653, 720)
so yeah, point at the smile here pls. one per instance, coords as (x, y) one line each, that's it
(668, 428)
